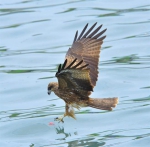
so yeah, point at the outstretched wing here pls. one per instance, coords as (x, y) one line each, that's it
(75, 78)
(87, 48)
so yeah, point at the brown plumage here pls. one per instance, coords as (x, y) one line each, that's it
(78, 75)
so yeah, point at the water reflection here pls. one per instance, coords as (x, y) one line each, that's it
(60, 130)
(86, 142)
(100, 139)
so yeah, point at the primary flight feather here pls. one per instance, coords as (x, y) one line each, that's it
(78, 75)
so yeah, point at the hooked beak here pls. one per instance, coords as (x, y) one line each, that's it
(49, 92)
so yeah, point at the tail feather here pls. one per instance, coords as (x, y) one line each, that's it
(103, 103)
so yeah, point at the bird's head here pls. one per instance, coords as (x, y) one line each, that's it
(51, 87)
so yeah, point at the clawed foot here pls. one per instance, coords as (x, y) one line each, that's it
(59, 119)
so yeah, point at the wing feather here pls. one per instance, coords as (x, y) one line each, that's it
(83, 31)
(75, 37)
(86, 47)
(75, 78)
(89, 30)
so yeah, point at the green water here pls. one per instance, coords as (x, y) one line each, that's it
(34, 38)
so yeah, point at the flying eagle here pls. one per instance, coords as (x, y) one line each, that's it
(78, 75)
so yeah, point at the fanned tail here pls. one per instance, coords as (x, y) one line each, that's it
(103, 103)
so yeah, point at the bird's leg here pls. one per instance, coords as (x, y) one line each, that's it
(69, 112)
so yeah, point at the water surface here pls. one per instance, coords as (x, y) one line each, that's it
(34, 38)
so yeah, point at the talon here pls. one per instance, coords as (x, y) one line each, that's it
(56, 119)
(59, 119)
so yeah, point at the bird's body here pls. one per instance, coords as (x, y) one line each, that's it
(70, 97)
(78, 75)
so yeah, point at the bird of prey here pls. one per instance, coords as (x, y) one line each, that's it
(79, 72)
